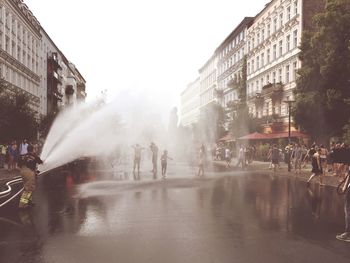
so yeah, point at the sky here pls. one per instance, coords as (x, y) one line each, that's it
(150, 48)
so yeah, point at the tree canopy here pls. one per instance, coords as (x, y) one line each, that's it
(323, 87)
(17, 119)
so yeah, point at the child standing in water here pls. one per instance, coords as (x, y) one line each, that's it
(164, 162)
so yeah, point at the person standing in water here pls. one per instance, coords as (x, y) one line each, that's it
(137, 159)
(201, 162)
(164, 162)
(28, 170)
(154, 149)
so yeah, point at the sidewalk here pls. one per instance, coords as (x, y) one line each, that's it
(263, 167)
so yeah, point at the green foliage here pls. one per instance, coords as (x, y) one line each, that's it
(46, 123)
(17, 119)
(323, 86)
(211, 123)
(242, 122)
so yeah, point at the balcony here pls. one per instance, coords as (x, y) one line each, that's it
(233, 84)
(258, 99)
(274, 91)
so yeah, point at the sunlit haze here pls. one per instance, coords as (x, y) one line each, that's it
(155, 46)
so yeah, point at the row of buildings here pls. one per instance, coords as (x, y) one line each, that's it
(267, 47)
(32, 63)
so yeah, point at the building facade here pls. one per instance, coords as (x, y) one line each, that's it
(30, 61)
(190, 104)
(272, 58)
(231, 53)
(20, 50)
(208, 82)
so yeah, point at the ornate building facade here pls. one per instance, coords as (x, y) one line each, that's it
(31, 62)
(20, 50)
(230, 55)
(272, 58)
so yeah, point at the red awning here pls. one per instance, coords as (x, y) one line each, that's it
(293, 134)
(254, 136)
(270, 136)
(227, 138)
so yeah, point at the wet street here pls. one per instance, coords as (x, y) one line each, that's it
(106, 216)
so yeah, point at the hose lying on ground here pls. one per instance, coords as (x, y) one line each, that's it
(8, 191)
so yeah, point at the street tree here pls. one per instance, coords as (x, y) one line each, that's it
(17, 118)
(242, 122)
(323, 86)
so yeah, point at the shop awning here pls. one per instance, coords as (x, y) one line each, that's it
(271, 136)
(227, 138)
(254, 136)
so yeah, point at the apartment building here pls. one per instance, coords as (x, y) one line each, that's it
(31, 62)
(20, 49)
(272, 58)
(190, 104)
(230, 54)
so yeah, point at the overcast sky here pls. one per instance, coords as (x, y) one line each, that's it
(156, 46)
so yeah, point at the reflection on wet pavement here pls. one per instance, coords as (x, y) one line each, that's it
(238, 217)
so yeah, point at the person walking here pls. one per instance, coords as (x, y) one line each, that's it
(297, 158)
(164, 162)
(28, 170)
(275, 155)
(323, 158)
(23, 149)
(346, 188)
(316, 167)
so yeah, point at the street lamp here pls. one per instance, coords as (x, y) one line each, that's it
(289, 102)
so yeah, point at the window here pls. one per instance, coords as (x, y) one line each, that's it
(248, 45)
(287, 74)
(280, 75)
(295, 37)
(295, 7)
(263, 34)
(288, 13)
(262, 59)
(281, 20)
(253, 42)
(294, 70)
(268, 78)
(268, 30)
(268, 55)
(258, 38)
(248, 67)
(257, 63)
(280, 48)
(274, 77)
(288, 43)
(252, 65)
(275, 24)
(274, 52)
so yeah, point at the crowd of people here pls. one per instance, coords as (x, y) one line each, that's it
(11, 154)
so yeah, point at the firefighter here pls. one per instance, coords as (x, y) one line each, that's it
(28, 173)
